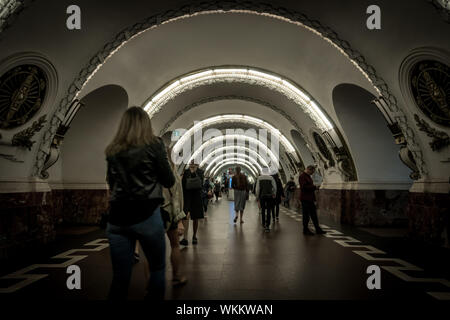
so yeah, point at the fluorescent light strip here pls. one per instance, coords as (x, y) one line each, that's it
(225, 137)
(237, 161)
(243, 149)
(236, 118)
(232, 156)
(286, 87)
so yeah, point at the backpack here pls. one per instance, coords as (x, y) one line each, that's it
(265, 188)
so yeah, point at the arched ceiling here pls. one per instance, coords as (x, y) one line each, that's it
(147, 62)
(158, 55)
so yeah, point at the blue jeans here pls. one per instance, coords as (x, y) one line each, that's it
(122, 241)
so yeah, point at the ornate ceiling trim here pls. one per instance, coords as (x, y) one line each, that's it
(232, 6)
(10, 10)
(442, 7)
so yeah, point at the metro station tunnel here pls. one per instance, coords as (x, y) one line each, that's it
(224, 150)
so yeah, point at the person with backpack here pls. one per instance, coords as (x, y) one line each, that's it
(278, 197)
(290, 189)
(266, 190)
(217, 190)
(239, 183)
(206, 195)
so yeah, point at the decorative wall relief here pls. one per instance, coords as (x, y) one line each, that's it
(407, 158)
(22, 91)
(430, 84)
(324, 152)
(440, 138)
(23, 138)
(442, 7)
(10, 10)
(345, 163)
(53, 155)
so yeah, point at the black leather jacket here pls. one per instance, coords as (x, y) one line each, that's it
(138, 174)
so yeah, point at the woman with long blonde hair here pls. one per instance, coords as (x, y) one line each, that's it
(137, 171)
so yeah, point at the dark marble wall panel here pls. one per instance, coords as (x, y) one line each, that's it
(429, 217)
(26, 219)
(29, 220)
(84, 206)
(364, 207)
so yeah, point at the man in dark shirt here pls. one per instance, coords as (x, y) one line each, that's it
(307, 198)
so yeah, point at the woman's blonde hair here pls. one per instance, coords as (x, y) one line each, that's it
(135, 130)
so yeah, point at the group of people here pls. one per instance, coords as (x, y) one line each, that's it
(270, 193)
(148, 200)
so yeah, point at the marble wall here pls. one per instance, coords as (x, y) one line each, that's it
(429, 217)
(377, 208)
(28, 220)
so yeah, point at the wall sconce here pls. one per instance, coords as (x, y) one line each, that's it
(392, 125)
(54, 153)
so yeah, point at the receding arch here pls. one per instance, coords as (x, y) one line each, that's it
(274, 158)
(302, 148)
(370, 141)
(241, 162)
(233, 156)
(218, 153)
(237, 118)
(238, 74)
(83, 158)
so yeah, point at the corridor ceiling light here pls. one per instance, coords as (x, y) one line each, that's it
(231, 156)
(237, 118)
(219, 151)
(239, 74)
(242, 162)
(236, 161)
(225, 137)
(251, 168)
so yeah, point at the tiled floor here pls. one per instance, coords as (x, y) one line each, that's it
(240, 261)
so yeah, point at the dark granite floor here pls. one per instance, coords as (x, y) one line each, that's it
(240, 261)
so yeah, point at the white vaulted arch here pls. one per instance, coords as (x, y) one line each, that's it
(243, 75)
(218, 152)
(231, 156)
(249, 165)
(240, 118)
(274, 159)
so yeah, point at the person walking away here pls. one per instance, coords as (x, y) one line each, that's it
(192, 183)
(279, 195)
(217, 190)
(137, 169)
(173, 215)
(239, 183)
(290, 190)
(206, 193)
(307, 199)
(266, 190)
